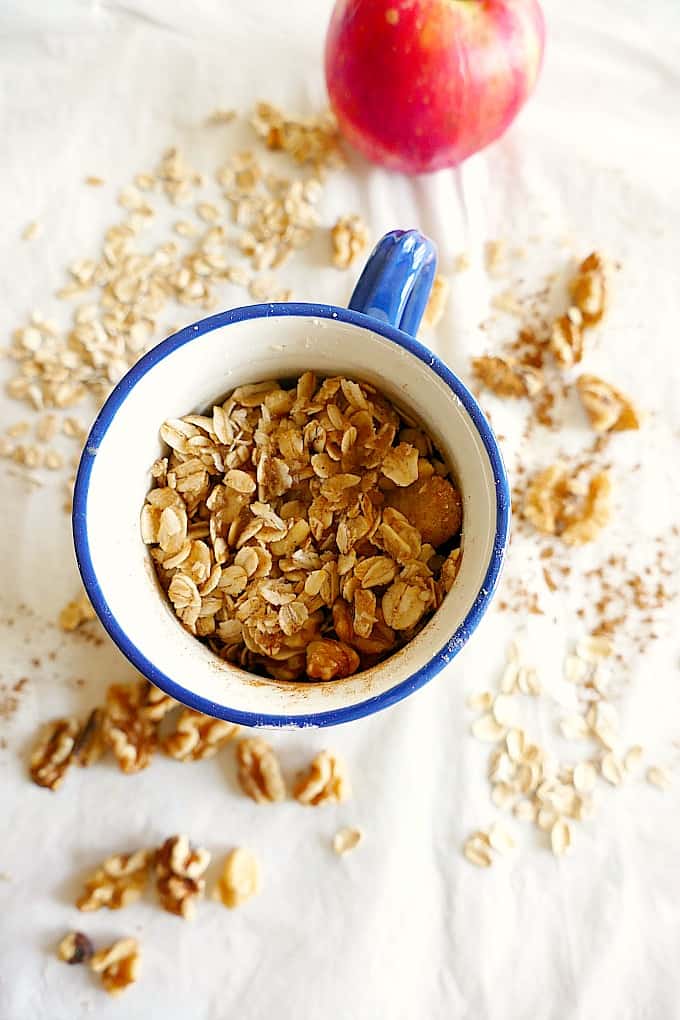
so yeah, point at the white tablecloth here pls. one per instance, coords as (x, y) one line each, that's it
(405, 927)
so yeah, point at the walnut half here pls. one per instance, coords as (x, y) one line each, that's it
(324, 782)
(119, 881)
(54, 752)
(259, 772)
(197, 736)
(608, 409)
(117, 965)
(179, 875)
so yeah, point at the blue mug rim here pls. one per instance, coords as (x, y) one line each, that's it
(374, 703)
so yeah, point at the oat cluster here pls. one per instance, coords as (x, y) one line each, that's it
(302, 532)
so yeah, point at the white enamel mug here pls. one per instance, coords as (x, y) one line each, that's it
(373, 341)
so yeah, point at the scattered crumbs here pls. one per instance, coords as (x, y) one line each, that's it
(94, 182)
(220, 117)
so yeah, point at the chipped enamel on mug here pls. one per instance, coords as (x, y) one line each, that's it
(372, 341)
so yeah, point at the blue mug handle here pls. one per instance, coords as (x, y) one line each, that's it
(397, 279)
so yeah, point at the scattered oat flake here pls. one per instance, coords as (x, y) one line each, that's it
(347, 839)
(94, 182)
(633, 757)
(480, 702)
(488, 729)
(500, 839)
(560, 837)
(31, 231)
(658, 776)
(612, 769)
(477, 849)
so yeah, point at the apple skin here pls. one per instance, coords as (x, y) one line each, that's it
(418, 85)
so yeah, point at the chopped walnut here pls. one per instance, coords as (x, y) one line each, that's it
(566, 339)
(584, 524)
(179, 875)
(330, 660)
(607, 408)
(77, 612)
(155, 703)
(119, 881)
(324, 782)
(127, 729)
(197, 736)
(283, 500)
(54, 752)
(434, 310)
(349, 238)
(259, 772)
(555, 505)
(75, 948)
(240, 879)
(589, 289)
(117, 965)
(89, 745)
(508, 377)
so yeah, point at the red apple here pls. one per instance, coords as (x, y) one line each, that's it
(418, 85)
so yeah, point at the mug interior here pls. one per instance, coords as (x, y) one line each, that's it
(188, 373)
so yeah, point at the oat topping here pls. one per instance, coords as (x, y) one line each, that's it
(117, 883)
(349, 238)
(240, 879)
(197, 736)
(283, 512)
(54, 752)
(324, 782)
(179, 875)
(259, 772)
(117, 965)
(75, 948)
(608, 409)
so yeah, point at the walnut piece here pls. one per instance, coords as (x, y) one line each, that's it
(179, 875)
(330, 660)
(566, 339)
(117, 965)
(119, 881)
(589, 289)
(240, 879)
(77, 612)
(508, 377)
(75, 948)
(53, 753)
(608, 409)
(324, 782)
(555, 505)
(259, 772)
(349, 238)
(584, 525)
(198, 736)
(89, 745)
(434, 310)
(127, 730)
